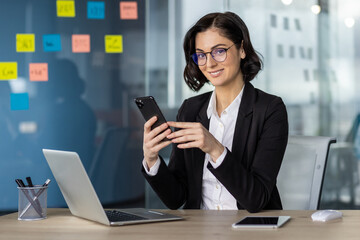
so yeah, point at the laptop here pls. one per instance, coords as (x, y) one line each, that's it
(82, 199)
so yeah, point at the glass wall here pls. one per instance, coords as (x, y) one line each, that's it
(310, 51)
(82, 100)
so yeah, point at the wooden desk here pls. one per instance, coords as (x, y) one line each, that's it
(198, 224)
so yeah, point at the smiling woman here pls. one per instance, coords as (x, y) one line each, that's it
(227, 27)
(228, 144)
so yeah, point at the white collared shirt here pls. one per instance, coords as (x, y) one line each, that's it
(214, 194)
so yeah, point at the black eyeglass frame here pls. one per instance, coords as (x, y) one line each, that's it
(194, 55)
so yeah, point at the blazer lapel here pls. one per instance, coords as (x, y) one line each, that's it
(198, 155)
(243, 122)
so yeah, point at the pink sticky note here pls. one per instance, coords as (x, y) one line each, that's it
(80, 43)
(38, 72)
(128, 10)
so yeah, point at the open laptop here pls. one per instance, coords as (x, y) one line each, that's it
(82, 199)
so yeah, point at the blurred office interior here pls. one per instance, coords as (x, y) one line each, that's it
(310, 51)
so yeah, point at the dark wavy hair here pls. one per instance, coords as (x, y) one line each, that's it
(231, 27)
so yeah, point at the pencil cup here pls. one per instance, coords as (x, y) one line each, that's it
(32, 203)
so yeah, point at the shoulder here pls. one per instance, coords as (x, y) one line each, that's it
(269, 106)
(199, 99)
(266, 98)
(261, 99)
(191, 107)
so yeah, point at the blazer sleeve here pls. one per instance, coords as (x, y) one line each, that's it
(252, 181)
(170, 183)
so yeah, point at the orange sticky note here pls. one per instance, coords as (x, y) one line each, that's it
(38, 72)
(128, 10)
(81, 43)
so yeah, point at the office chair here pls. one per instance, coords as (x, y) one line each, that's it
(115, 172)
(301, 175)
(342, 173)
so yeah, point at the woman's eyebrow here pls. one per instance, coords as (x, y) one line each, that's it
(216, 46)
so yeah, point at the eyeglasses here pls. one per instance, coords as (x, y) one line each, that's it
(218, 54)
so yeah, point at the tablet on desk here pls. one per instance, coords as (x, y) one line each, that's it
(261, 222)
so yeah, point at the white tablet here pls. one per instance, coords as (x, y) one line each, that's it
(261, 222)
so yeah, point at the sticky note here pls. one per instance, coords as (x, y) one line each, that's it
(8, 70)
(81, 43)
(96, 10)
(128, 10)
(25, 42)
(19, 101)
(52, 42)
(65, 8)
(113, 44)
(38, 72)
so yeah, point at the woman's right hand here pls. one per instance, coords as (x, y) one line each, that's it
(153, 141)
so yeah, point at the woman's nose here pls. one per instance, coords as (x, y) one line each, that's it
(210, 61)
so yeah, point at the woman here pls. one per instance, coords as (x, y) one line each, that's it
(229, 143)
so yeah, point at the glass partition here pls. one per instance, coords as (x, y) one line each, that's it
(80, 97)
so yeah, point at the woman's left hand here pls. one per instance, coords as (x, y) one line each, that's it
(193, 135)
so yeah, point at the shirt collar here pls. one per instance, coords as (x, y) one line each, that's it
(234, 105)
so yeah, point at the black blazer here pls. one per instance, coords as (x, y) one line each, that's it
(249, 170)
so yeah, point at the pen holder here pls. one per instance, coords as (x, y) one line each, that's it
(32, 203)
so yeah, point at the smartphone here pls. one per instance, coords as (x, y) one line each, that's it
(261, 222)
(149, 108)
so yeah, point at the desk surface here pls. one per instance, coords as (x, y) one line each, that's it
(198, 224)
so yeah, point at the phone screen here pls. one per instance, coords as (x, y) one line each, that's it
(261, 222)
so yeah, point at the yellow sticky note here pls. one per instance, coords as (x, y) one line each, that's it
(25, 42)
(8, 70)
(38, 72)
(65, 8)
(113, 44)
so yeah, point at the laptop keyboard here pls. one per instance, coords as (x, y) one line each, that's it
(117, 216)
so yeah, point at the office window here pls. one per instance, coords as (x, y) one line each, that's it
(302, 52)
(286, 23)
(280, 50)
(291, 51)
(297, 24)
(328, 51)
(273, 20)
(310, 53)
(306, 75)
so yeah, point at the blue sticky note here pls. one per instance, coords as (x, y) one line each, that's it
(19, 101)
(96, 10)
(52, 42)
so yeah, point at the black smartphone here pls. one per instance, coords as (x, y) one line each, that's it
(149, 108)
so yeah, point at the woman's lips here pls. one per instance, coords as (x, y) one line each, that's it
(216, 73)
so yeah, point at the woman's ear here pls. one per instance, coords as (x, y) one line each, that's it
(242, 51)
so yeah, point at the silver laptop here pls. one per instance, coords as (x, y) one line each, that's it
(81, 197)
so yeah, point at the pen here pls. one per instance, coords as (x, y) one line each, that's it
(37, 208)
(20, 182)
(30, 184)
(36, 197)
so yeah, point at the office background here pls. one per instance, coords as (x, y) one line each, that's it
(86, 104)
